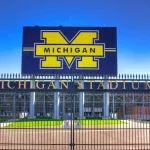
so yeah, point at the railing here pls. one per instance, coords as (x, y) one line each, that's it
(83, 77)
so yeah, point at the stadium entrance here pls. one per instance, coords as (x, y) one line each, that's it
(69, 95)
(112, 118)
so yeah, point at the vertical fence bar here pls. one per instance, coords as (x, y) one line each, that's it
(72, 114)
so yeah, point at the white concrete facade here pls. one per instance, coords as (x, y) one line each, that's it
(57, 101)
(32, 101)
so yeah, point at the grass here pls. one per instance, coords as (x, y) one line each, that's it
(101, 122)
(34, 123)
(52, 122)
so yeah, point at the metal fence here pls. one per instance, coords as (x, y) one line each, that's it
(126, 127)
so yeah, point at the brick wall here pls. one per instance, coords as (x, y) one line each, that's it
(134, 110)
(137, 110)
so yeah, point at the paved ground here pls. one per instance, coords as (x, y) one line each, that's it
(131, 136)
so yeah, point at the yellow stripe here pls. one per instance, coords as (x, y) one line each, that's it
(28, 49)
(110, 50)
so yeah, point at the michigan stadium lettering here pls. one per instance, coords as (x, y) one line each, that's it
(90, 84)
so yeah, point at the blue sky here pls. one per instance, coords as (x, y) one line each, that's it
(131, 17)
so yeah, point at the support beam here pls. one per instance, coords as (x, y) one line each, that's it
(133, 106)
(81, 101)
(143, 111)
(56, 100)
(124, 106)
(113, 106)
(14, 106)
(106, 99)
(44, 107)
(32, 101)
(93, 112)
(24, 104)
(64, 106)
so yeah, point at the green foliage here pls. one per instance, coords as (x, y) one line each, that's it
(3, 119)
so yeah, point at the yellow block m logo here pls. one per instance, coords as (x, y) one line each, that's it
(81, 48)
